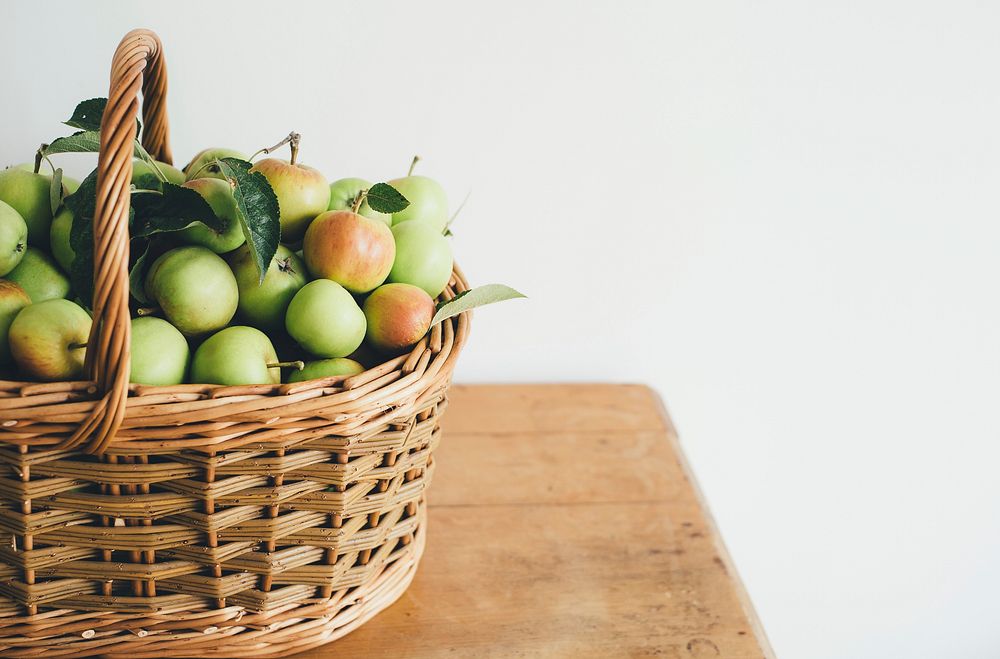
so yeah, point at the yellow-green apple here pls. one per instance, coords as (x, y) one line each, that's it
(39, 276)
(325, 320)
(350, 249)
(59, 244)
(200, 166)
(219, 196)
(345, 191)
(423, 257)
(302, 193)
(13, 238)
(398, 315)
(12, 300)
(194, 288)
(237, 355)
(159, 352)
(48, 340)
(263, 304)
(324, 368)
(428, 201)
(28, 194)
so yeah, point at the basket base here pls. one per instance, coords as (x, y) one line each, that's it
(279, 634)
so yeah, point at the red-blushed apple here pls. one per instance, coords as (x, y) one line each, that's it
(48, 340)
(12, 300)
(398, 315)
(302, 192)
(350, 249)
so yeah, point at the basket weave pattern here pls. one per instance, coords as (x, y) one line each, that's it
(201, 520)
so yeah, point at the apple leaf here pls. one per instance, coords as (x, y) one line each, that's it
(56, 190)
(137, 275)
(88, 115)
(472, 298)
(81, 237)
(172, 209)
(384, 198)
(258, 210)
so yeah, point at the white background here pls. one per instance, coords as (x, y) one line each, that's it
(781, 215)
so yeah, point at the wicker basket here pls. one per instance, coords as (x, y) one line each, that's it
(201, 520)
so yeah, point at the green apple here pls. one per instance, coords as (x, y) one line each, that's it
(12, 300)
(302, 192)
(144, 178)
(343, 193)
(324, 368)
(39, 276)
(28, 194)
(350, 249)
(234, 356)
(423, 257)
(70, 185)
(398, 315)
(59, 233)
(159, 352)
(428, 201)
(263, 304)
(48, 340)
(194, 288)
(325, 320)
(219, 196)
(199, 167)
(13, 238)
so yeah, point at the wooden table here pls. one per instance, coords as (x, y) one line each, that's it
(564, 522)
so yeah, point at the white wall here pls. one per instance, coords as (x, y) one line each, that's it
(782, 215)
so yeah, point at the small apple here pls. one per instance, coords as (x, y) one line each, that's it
(144, 178)
(219, 196)
(324, 368)
(302, 192)
(423, 257)
(13, 238)
(59, 233)
(346, 190)
(199, 167)
(263, 304)
(236, 355)
(159, 352)
(28, 194)
(12, 300)
(48, 340)
(428, 201)
(350, 249)
(39, 276)
(194, 288)
(70, 185)
(325, 320)
(398, 315)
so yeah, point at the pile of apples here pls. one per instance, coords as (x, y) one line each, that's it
(347, 286)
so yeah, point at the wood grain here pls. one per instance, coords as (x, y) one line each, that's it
(570, 539)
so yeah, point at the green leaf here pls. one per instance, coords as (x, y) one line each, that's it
(88, 115)
(81, 237)
(258, 210)
(173, 209)
(137, 275)
(472, 298)
(384, 198)
(84, 141)
(56, 190)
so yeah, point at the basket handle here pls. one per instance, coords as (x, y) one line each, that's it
(137, 64)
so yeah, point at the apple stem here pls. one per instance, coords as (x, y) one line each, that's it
(77, 346)
(38, 157)
(298, 365)
(146, 311)
(292, 138)
(413, 164)
(360, 199)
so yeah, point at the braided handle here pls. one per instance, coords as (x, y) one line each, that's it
(137, 64)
